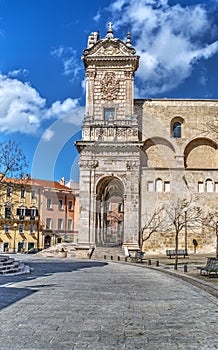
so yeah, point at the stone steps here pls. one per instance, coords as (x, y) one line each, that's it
(9, 267)
(108, 253)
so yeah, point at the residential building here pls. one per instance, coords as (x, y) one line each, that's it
(36, 214)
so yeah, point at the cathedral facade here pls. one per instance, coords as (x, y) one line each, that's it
(137, 154)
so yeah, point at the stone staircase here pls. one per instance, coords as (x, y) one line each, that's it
(10, 267)
(109, 253)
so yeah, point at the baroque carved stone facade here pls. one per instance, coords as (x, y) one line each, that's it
(138, 154)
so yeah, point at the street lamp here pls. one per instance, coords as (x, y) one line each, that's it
(186, 244)
(15, 228)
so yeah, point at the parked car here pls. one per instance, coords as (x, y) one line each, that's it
(33, 251)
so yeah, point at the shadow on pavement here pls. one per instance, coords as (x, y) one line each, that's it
(10, 295)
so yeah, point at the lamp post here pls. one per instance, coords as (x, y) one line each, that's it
(15, 228)
(186, 244)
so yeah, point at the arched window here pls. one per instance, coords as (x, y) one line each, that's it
(209, 185)
(158, 185)
(176, 127)
(177, 130)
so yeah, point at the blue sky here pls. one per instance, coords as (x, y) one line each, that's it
(42, 77)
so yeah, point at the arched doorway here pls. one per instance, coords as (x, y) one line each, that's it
(109, 211)
(47, 242)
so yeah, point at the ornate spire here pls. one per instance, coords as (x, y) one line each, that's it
(110, 34)
(128, 40)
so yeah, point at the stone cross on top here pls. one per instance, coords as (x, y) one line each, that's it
(110, 34)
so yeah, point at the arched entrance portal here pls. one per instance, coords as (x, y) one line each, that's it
(109, 211)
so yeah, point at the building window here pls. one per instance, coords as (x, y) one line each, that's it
(33, 194)
(209, 185)
(32, 228)
(21, 212)
(150, 186)
(60, 204)
(166, 186)
(9, 191)
(8, 213)
(70, 205)
(48, 222)
(33, 212)
(120, 207)
(21, 228)
(7, 229)
(22, 192)
(60, 224)
(49, 203)
(159, 185)
(200, 187)
(109, 114)
(177, 129)
(70, 224)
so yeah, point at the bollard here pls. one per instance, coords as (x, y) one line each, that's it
(125, 258)
(185, 268)
(118, 258)
(157, 263)
(105, 257)
(149, 262)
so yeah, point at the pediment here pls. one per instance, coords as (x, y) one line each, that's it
(110, 48)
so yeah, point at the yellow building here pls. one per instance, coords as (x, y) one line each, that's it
(19, 216)
(36, 214)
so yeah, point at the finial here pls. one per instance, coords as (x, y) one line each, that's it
(110, 34)
(128, 40)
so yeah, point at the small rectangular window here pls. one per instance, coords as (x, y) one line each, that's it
(60, 204)
(7, 229)
(70, 205)
(70, 224)
(48, 222)
(21, 228)
(9, 191)
(150, 186)
(33, 194)
(49, 203)
(22, 193)
(7, 213)
(200, 187)
(32, 228)
(60, 224)
(109, 114)
(166, 186)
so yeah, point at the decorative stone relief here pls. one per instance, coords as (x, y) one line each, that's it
(131, 164)
(110, 86)
(88, 164)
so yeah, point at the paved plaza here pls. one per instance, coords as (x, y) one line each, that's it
(85, 304)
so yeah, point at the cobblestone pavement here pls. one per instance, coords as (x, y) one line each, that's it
(76, 305)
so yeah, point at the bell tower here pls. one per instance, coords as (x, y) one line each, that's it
(109, 149)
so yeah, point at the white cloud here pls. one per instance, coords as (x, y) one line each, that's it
(170, 40)
(48, 135)
(24, 110)
(68, 56)
(18, 72)
(58, 109)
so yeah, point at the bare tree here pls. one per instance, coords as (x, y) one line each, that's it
(211, 221)
(12, 160)
(180, 215)
(152, 223)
